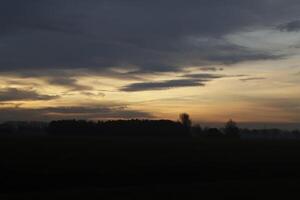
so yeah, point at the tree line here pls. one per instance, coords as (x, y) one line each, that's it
(137, 127)
(133, 127)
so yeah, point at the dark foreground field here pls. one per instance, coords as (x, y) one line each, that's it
(147, 168)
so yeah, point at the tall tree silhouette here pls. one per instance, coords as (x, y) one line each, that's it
(185, 120)
(231, 129)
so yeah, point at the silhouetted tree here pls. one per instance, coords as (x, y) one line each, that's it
(231, 129)
(185, 121)
(132, 127)
(137, 127)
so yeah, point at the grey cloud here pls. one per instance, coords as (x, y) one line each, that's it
(14, 94)
(103, 34)
(190, 80)
(211, 69)
(64, 78)
(204, 76)
(154, 68)
(54, 113)
(144, 86)
(290, 26)
(232, 57)
(68, 82)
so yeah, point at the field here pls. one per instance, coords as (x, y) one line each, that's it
(146, 168)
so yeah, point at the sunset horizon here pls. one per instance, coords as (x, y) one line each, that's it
(149, 99)
(124, 60)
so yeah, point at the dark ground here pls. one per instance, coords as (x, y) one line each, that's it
(147, 168)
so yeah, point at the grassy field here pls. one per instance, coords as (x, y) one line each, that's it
(146, 168)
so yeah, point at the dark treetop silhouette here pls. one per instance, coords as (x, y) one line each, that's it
(137, 127)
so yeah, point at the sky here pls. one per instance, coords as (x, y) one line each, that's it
(123, 59)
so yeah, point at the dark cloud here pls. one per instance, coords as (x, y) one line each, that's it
(290, 26)
(68, 82)
(204, 76)
(211, 69)
(14, 94)
(150, 36)
(190, 80)
(53, 113)
(144, 86)
(64, 78)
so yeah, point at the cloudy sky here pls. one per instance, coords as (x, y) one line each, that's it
(108, 59)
